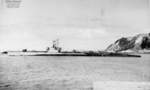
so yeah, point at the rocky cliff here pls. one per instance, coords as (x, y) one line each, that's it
(135, 43)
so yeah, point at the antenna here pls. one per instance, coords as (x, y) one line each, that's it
(57, 42)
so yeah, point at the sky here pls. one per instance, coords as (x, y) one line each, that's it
(78, 24)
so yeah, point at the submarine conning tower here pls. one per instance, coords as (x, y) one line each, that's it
(55, 46)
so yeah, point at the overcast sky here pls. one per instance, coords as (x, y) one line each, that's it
(79, 24)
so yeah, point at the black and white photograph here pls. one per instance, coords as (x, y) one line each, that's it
(74, 44)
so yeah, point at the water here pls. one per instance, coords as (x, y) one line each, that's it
(69, 73)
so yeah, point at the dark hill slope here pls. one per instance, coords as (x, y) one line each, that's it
(135, 43)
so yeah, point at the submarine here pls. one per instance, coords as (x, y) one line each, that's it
(55, 50)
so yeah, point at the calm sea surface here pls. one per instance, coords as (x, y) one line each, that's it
(69, 73)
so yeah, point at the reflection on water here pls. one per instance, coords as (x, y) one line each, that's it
(67, 73)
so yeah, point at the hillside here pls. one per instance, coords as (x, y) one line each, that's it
(136, 43)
